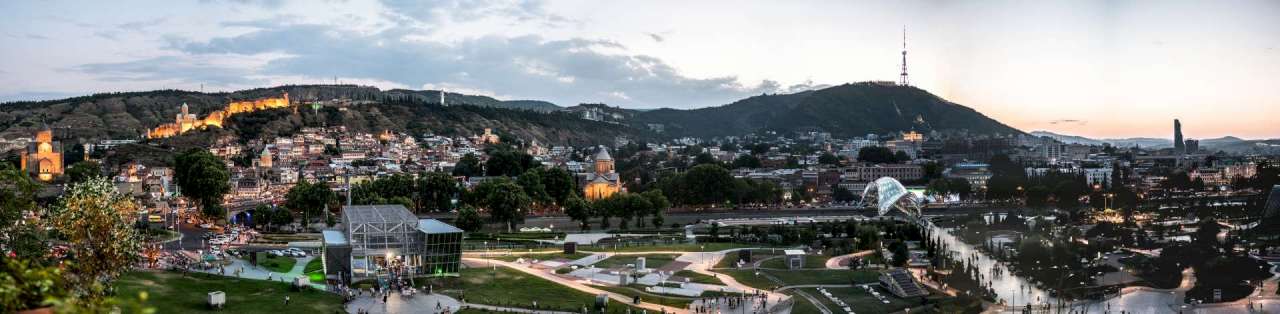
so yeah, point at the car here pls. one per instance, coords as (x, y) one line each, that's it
(275, 253)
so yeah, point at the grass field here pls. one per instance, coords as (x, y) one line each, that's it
(686, 247)
(314, 270)
(509, 287)
(801, 277)
(810, 262)
(653, 261)
(172, 293)
(633, 291)
(541, 256)
(699, 278)
(279, 264)
(859, 299)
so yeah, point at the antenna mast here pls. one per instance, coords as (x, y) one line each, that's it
(902, 77)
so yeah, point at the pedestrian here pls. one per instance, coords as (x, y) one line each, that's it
(286, 299)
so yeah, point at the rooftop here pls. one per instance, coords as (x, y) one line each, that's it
(363, 214)
(432, 226)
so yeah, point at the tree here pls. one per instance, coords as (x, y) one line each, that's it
(707, 184)
(436, 191)
(559, 184)
(503, 199)
(705, 159)
(841, 194)
(97, 223)
(1207, 234)
(309, 198)
(468, 166)
(900, 253)
(469, 219)
(507, 161)
(203, 178)
(746, 161)
(81, 171)
(876, 154)
(901, 156)
(281, 216)
(828, 159)
(578, 210)
(531, 182)
(24, 240)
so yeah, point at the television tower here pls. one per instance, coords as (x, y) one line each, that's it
(902, 77)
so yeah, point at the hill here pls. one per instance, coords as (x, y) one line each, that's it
(1144, 142)
(844, 111)
(128, 115)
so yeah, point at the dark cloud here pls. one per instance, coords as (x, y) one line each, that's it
(184, 70)
(437, 12)
(563, 71)
(656, 37)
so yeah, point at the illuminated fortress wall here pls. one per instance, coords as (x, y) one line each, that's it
(185, 121)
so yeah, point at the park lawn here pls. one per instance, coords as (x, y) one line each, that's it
(699, 277)
(810, 262)
(541, 256)
(730, 260)
(802, 306)
(858, 298)
(279, 264)
(314, 270)
(683, 247)
(653, 261)
(645, 296)
(170, 292)
(509, 287)
(801, 277)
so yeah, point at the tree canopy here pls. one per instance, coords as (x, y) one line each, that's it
(204, 179)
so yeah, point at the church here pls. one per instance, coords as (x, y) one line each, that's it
(43, 157)
(603, 182)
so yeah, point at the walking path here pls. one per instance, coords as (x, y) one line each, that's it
(418, 303)
(837, 262)
(510, 309)
(581, 287)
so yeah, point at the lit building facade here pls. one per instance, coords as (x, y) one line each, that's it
(187, 121)
(604, 181)
(43, 157)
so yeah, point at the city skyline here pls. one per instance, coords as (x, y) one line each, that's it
(1094, 69)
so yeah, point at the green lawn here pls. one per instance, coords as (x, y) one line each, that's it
(802, 277)
(170, 292)
(314, 270)
(653, 261)
(862, 301)
(802, 306)
(541, 256)
(684, 247)
(279, 264)
(731, 260)
(698, 277)
(810, 262)
(509, 287)
(645, 296)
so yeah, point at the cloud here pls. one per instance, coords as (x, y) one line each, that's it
(444, 11)
(139, 26)
(565, 71)
(174, 68)
(37, 37)
(656, 37)
(1068, 121)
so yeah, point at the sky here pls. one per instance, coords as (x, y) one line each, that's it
(1103, 69)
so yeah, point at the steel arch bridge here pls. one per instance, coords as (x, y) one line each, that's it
(889, 195)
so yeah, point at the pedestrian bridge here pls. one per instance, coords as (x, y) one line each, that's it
(889, 195)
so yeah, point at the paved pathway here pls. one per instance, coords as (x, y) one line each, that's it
(256, 272)
(419, 303)
(581, 287)
(836, 262)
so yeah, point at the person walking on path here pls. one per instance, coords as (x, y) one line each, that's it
(286, 299)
